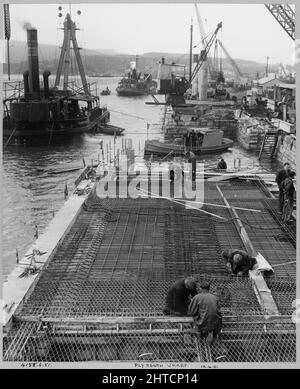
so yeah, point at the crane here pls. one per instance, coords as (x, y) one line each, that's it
(212, 65)
(205, 51)
(282, 70)
(204, 40)
(233, 64)
(285, 16)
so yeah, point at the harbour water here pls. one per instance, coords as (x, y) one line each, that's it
(31, 196)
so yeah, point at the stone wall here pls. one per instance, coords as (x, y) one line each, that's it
(286, 149)
(250, 133)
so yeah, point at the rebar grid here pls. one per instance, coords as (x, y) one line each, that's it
(131, 297)
(119, 259)
(251, 342)
(269, 238)
(284, 293)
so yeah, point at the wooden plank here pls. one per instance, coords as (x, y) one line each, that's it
(115, 320)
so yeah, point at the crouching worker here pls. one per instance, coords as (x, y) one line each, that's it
(179, 297)
(238, 262)
(205, 310)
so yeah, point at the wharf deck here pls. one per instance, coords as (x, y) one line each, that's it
(121, 256)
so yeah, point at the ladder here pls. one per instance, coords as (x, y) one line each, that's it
(269, 143)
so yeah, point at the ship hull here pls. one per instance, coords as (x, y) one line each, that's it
(131, 92)
(40, 133)
(160, 148)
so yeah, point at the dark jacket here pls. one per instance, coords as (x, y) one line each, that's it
(222, 165)
(205, 310)
(281, 176)
(178, 298)
(288, 187)
(244, 265)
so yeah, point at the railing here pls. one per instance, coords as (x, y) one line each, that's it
(75, 88)
(13, 90)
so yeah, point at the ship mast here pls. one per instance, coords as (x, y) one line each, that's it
(64, 59)
(7, 34)
(191, 51)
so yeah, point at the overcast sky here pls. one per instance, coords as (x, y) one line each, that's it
(249, 30)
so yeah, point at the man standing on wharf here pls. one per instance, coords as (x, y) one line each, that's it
(280, 177)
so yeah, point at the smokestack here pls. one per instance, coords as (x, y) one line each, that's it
(46, 75)
(26, 82)
(33, 62)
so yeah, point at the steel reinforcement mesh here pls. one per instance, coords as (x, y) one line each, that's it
(119, 259)
(244, 342)
(131, 297)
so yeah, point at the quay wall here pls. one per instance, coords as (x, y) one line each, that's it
(250, 134)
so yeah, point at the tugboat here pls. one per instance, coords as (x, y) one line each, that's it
(36, 113)
(198, 140)
(136, 83)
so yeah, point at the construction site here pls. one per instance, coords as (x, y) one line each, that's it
(101, 292)
(93, 286)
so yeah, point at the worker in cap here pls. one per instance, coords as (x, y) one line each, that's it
(206, 312)
(179, 296)
(238, 262)
(222, 165)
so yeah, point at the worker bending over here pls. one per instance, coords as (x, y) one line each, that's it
(238, 262)
(222, 165)
(179, 297)
(205, 310)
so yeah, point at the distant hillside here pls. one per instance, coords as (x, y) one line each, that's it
(18, 51)
(108, 62)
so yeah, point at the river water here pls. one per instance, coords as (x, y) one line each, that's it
(31, 196)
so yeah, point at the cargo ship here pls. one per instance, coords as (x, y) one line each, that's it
(34, 112)
(135, 83)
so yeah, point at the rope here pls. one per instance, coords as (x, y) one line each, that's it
(134, 116)
(282, 264)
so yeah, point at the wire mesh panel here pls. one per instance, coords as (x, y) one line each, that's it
(251, 342)
(118, 261)
(131, 296)
(284, 293)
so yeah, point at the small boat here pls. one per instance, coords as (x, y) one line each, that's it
(105, 92)
(212, 142)
(109, 129)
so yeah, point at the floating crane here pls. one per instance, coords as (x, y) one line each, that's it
(285, 16)
(175, 86)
